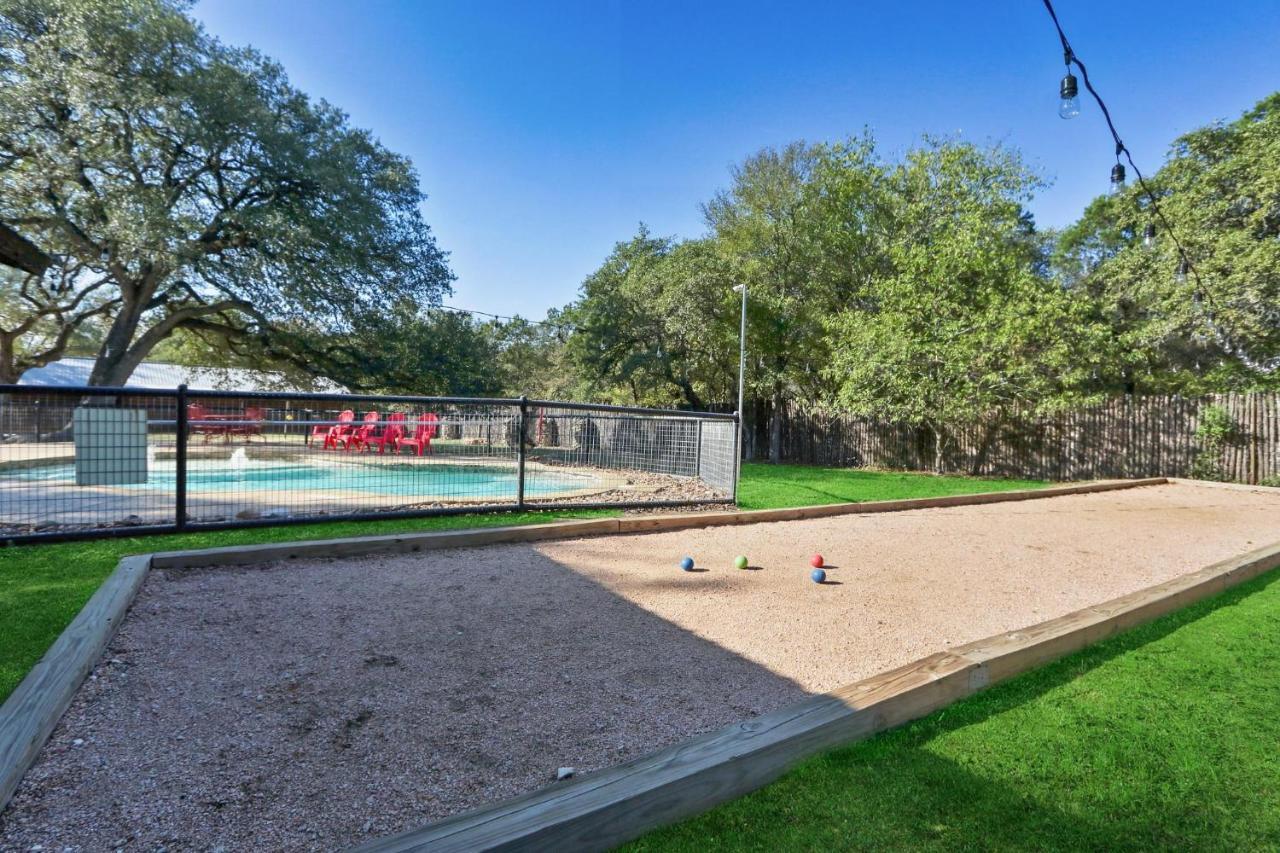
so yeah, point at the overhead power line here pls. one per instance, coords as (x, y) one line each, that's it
(560, 326)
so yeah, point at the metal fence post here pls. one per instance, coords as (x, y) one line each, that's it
(180, 462)
(697, 453)
(737, 453)
(521, 453)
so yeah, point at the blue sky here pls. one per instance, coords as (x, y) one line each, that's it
(545, 132)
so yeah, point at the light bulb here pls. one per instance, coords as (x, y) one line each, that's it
(1117, 179)
(1183, 268)
(1149, 236)
(1069, 105)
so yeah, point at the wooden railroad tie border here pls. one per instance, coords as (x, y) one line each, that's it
(1231, 487)
(603, 809)
(29, 715)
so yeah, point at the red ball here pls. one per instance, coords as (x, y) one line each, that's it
(816, 561)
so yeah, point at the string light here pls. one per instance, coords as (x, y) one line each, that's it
(1202, 299)
(1149, 236)
(1068, 93)
(503, 317)
(1180, 276)
(1117, 179)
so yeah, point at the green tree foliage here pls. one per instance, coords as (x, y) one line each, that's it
(403, 349)
(656, 324)
(532, 359)
(767, 223)
(919, 290)
(43, 317)
(913, 291)
(191, 187)
(1220, 188)
(958, 327)
(411, 351)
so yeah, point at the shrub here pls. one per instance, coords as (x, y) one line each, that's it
(1216, 431)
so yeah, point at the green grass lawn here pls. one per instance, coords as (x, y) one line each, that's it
(42, 587)
(1167, 737)
(772, 486)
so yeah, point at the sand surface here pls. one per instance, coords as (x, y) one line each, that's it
(315, 705)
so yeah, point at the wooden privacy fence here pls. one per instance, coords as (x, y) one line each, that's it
(1135, 436)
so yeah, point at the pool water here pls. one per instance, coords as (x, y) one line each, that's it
(398, 480)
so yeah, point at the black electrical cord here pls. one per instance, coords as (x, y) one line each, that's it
(1185, 264)
(1071, 59)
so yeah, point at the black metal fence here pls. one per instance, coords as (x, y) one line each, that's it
(94, 462)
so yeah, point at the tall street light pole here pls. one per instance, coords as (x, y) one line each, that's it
(742, 374)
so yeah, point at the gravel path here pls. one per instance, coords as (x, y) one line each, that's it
(315, 705)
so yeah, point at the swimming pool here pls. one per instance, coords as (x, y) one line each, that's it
(401, 480)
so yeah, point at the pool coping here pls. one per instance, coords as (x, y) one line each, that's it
(30, 714)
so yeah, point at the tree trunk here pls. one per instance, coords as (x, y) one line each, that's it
(690, 395)
(122, 351)
(939, 449)
(113, 366)
(775, 431)
(8, 362)
(984, 447)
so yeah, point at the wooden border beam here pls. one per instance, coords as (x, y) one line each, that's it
(28, 716)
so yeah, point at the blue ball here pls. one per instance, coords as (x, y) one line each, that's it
(818, 575)
(687, 564)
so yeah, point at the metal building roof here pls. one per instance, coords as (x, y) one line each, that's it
(68, 372)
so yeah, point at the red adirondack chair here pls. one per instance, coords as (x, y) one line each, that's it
(250, 424)
(358, 437)
(199, 422)
(391, 434)
(426, 429)
(334, 433)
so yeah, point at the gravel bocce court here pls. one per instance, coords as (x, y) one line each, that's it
(319, 704)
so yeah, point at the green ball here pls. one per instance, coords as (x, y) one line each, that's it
(740, 561)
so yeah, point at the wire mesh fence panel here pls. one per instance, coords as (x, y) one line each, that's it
(74, 460)
(605, 455)
(82, 462)
(717, 456)
(255, 457)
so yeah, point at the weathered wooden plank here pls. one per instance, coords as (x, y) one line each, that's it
(1132, 436)
(651, 523)
(29, 715)
(615, 805)
(1214, 484)
(1014, 652)
(1004, 655)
